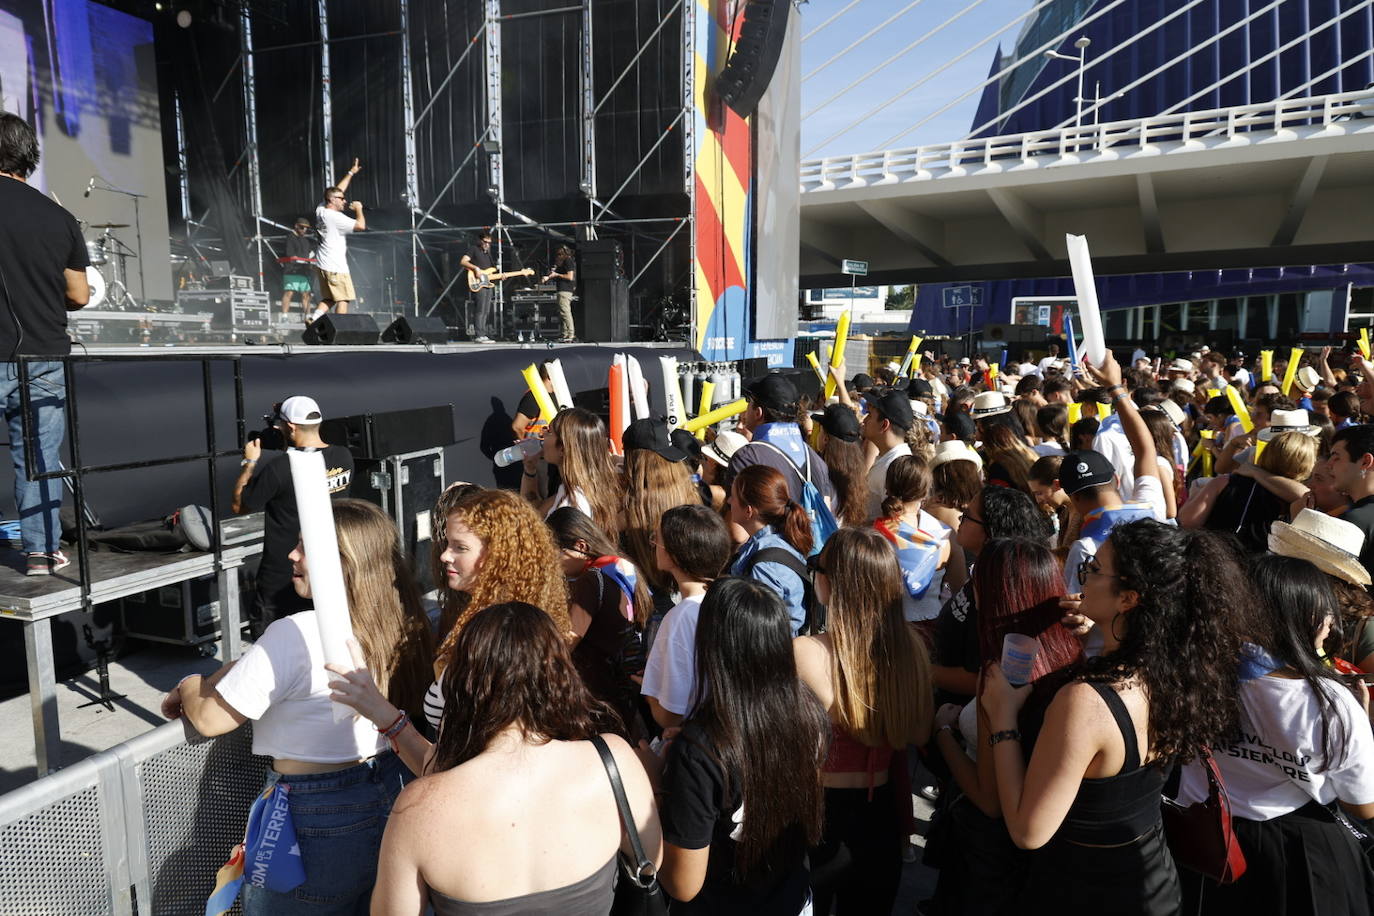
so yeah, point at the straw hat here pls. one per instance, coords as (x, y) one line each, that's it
(989, 404)
(954, 450)
(1181, 365)
(1288, 421)
(1185, 385)
(1175, 413)
(1328, 543)
(726, 443)
(1307, 379)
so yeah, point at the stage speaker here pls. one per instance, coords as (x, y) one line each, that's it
(405, 330)
(602, 259)
(352, 328)
(750, 68)
(605, 310)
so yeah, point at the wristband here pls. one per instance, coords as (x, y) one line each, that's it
(997, 738)
(528, 474)
(248, 462)
(396, 727)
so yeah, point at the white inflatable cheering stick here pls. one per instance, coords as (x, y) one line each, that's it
(1089, 315)
(321, 543)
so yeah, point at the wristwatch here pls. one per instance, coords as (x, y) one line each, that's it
(248, 462)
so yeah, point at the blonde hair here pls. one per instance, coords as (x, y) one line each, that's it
(384, 603)
(879, 668)
(1001, 445)
(587, 466)
(519, 562)
(653, 485)
(1292, 455)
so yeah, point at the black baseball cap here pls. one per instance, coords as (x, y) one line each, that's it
(839, 422)
(892, 405)
(863, 381)
(652, 433)
(1083, 469)
(773, 391)
(919, 388)
(687, 442)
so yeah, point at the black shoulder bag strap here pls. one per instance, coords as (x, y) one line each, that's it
(642, 874)
(815, 614)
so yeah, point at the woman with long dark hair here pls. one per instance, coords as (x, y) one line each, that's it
(1170, 606)
(607, 605)
(871, 672)
(777, 537)
(339, 775)
(516, 813)
(840, 445)
(1017, 585)
(1316, 749)
(741, 784)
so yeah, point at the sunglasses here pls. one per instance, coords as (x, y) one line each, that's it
(1090, 567)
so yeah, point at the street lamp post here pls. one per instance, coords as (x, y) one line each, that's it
(1082, 60)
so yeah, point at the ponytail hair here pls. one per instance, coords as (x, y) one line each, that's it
(764, 489)
(908, 481)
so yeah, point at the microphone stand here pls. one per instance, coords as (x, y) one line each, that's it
(103, 185)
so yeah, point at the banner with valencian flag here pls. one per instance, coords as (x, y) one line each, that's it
(268, 857)
(918, 553)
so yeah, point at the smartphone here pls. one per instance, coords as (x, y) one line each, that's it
(1367, 678)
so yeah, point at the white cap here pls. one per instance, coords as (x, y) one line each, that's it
(301, 410)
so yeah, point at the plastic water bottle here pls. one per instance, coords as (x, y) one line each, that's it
(518, 452)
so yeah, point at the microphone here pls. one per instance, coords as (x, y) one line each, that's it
(89, 186)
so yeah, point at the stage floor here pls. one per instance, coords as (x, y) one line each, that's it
(267, 348)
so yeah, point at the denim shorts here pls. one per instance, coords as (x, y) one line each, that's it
(339, 818)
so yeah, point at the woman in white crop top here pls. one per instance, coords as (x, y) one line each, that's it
(1304, 748)
(340, 777)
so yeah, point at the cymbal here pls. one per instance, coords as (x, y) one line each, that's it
(109, 225)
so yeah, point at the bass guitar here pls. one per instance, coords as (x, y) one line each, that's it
(488, 277)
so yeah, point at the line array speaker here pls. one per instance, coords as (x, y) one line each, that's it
(750, 68)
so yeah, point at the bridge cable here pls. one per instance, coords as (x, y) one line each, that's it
(867, 35)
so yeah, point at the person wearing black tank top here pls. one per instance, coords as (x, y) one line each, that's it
(1164, 685)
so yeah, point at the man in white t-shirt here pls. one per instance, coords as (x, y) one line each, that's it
(886, 424)
(1050, 361)
(331, 255)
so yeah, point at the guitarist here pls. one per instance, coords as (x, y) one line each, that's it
(476, 260)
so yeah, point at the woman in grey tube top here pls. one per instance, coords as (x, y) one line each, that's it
(515, 813)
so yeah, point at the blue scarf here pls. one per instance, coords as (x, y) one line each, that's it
(1255, 662)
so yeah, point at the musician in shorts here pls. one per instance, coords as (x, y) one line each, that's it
(297, 266)
(331, 254)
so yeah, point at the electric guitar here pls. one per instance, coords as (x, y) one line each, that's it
(488, 277)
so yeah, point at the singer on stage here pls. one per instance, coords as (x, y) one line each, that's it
(297, 265)
(336, 284)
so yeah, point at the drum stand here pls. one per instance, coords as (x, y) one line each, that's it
(119, 292)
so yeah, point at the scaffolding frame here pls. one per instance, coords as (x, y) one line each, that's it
(423, 222)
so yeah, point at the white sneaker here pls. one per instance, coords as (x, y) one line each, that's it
(482, 339)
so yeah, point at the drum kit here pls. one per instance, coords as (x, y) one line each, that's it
(108, 274)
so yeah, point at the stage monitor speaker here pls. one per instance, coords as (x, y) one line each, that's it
(750, 68)
(605, 310)
(406, 330)
(359, 328)
(393, 432)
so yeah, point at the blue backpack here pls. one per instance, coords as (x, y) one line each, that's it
(823, 523)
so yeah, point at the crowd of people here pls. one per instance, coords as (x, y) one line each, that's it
(782, 633)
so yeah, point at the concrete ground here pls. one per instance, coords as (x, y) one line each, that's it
(143, 675)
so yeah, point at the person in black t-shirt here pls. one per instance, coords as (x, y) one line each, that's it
(741, 787)
(564, 274)
(478, 258)
(296, 267)
(272, 492)
(43, 265)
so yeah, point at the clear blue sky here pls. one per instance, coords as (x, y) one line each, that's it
(986, 18)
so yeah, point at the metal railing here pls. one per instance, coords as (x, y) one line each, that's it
(1285, 119)
(140, 828)
(75, 472)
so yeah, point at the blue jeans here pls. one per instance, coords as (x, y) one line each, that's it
(39, 502)
(339, 818)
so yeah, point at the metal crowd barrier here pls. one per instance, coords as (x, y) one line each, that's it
(140, 828)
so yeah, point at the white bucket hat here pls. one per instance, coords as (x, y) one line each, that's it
(1328, 543)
